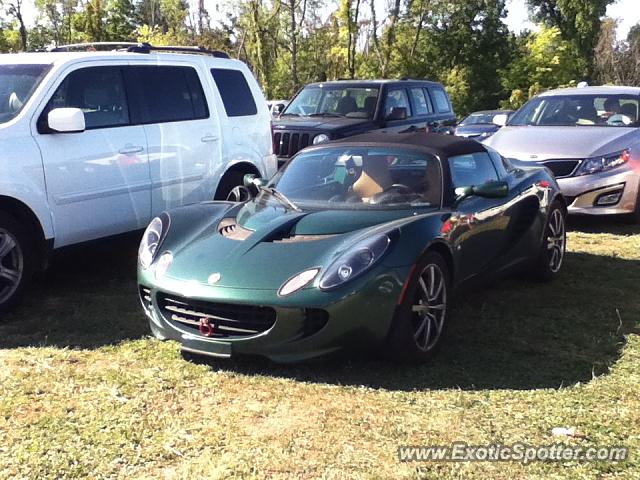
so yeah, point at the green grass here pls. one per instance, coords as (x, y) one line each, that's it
(84, 392)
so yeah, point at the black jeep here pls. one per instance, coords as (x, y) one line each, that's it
(329, 110)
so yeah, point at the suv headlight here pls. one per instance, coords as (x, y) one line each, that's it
(321, 138)
(151, 240)
(604, 163)
(354, 261)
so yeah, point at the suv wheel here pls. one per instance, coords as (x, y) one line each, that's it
(229, 181)
(16, 261)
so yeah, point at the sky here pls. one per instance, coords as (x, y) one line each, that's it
(627, 11)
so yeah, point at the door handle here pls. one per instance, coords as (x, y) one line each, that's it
(209, 138)
(129, 149)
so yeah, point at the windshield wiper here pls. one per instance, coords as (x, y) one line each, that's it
(281, 197)
(325, 114)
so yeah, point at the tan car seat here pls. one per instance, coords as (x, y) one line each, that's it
(375, 178)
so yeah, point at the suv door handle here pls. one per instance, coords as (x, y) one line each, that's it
(129, 149)
(209, 138)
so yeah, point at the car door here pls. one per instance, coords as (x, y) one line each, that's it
(479, 223)
(97, 180)
(182, 134)
(395, 100)
(421, 107)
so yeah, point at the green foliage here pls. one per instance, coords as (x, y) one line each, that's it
(544, 61)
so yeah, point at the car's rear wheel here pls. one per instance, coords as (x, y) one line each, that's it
(16, 261)
(420, 320)
(554, 244)
(229, 182)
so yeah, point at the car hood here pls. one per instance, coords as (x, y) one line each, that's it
(279, 243)
(542, 143)
(477, 129)
(317, 123)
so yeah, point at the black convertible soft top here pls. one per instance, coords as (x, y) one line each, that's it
(441, 145)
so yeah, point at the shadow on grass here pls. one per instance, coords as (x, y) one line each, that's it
(87, 298)
(516, 335)
(617, 225)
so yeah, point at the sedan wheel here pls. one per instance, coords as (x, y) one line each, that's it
(421, 318)
(429, 308)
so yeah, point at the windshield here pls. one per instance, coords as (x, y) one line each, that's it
(17, 84)
(479, 118)
(579, 110)
(339, 101)
(361, 178)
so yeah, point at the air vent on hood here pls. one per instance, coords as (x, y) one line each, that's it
(229, 228)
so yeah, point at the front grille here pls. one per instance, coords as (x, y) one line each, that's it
(287, 144)
(226, 319)
(562, 168)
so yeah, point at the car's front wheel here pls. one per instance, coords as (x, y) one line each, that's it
(420, 320)
(16, 262)
(554, 244)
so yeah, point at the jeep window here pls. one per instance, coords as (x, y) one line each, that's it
(420, 101)
(97, 91)
(17, 84)
(165, 94)
(334, 101)
(396, 99)
(441, 100)
(580, 110)
(235, 92)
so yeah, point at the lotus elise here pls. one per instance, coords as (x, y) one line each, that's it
(356, 243)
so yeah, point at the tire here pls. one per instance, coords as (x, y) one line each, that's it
(549, 262)
(229, 181)
(17, 261)
(420, 321)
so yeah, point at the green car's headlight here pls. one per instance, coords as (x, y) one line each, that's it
(604, 163)
(355, 261)
(151, 240)
(297, 282)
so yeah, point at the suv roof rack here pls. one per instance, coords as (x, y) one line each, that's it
(134, 47)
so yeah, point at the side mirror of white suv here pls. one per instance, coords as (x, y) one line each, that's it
(66, 120)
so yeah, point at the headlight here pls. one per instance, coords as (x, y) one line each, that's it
(320, 138)
(151, 240)
(355, 261)
(297, 282)
(602, 164)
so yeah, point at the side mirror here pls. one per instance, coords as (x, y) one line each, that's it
(397, 113)
(500, 119)
(277, 109)
(253, 180)
(486, 190)
(66, 120)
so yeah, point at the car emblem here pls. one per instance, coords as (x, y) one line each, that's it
(206, 327)
(214, 278)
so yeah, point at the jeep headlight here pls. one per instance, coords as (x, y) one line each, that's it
(354, 261)
(151, 240)
(603, 163)
(321, 138)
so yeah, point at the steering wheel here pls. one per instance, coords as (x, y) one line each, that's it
(391, 194)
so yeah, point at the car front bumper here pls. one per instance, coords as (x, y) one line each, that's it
(585, 192)
(357, 317)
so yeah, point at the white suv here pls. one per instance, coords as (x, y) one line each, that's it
(96, 143)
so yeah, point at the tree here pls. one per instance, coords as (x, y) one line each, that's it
(578, 20)
(13, 8)
(618, 63)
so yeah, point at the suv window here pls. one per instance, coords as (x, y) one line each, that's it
(165, 94)
(395, 99)
(97, 91)
(235, 92)
(420, 101)
(441, 100)
(472, 169)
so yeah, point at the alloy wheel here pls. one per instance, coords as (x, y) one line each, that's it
(11, 265)
(430, 307)
(556, 240)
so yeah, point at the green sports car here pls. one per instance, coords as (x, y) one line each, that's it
(356, 243)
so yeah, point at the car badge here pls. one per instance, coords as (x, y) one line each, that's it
(206, 327)
(214, 278)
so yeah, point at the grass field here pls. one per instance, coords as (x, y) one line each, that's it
(86, 393)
